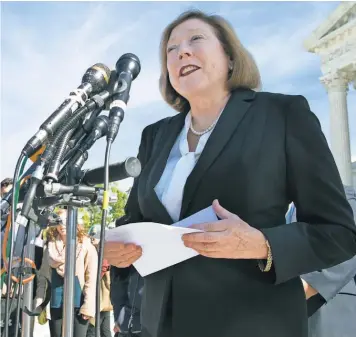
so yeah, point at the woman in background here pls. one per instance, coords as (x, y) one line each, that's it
(53, 267)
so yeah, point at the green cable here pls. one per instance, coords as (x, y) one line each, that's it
(17, 193)
(18, 182)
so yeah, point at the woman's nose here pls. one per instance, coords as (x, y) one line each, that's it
(184, 50)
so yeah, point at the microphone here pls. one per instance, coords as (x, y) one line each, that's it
(131, 167)
(127, 68)
(100, 129)
(85, 128)
(95, 79)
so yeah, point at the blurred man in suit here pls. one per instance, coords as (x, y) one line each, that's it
(126, 295)
(331, 293)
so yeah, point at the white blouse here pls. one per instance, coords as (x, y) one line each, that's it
(180, 164)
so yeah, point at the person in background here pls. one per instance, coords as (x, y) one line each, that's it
(52, 268)
(6, 186)
(331, 293)
(105, 302)
(126, 296)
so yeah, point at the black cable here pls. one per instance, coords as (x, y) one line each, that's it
(71, 123)
(12, 299)
(102, 235)
(55, 165)
(70, 152)
(83, 131)
(19, 302)
(96, 102)
(11, 255)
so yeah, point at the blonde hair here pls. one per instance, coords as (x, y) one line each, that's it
(244, 73)
(52, 232)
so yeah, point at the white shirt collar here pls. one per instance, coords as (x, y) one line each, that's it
(183, 144)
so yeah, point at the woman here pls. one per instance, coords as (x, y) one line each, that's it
(249, 154)
(53, 266)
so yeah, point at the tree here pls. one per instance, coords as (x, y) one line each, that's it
(92, 215)
(118, 208)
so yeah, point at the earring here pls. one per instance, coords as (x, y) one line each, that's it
(230, 69)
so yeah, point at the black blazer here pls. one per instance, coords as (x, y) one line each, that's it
(266, 151)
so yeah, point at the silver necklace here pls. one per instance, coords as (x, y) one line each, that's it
(200, 133)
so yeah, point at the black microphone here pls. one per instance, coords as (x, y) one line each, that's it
(85, 128)
(100, 129)
(127, 68)
(131, 167)
(95, 79)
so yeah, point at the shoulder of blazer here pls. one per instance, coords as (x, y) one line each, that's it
(154, 127)
(283, 99)
(279, 98)
(149, 133)
(287, 106)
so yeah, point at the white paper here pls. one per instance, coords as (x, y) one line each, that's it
(162, 245)
(205, 215)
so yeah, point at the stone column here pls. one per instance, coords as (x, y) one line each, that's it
(337, 88)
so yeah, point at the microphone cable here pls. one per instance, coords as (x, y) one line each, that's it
(102, 234)
(94, 80)
(20, 165)
(127, 68)
(96, 101)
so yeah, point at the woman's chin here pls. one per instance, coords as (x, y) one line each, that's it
(191, 90)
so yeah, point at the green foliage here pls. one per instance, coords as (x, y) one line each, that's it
(117, 209)
(92, 215)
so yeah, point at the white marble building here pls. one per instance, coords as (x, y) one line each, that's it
(334, 41)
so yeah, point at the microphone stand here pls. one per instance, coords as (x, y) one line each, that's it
(93, 81)
(128, 66)
(73, 175)
(28, 321)
(70, 258)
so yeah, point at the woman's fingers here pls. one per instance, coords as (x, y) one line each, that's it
(119, 247)
(129, 260)
(120, 254)
(114, 249)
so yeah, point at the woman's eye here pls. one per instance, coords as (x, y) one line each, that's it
(196, 37)
(170, 48)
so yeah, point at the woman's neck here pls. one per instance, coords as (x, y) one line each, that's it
(206, 109)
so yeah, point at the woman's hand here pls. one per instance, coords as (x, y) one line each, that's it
(229, 238)
(121, 255)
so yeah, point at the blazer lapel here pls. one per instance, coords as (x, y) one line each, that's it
(232, 115)
(164, 145)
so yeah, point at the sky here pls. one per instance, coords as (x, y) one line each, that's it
(47, 47)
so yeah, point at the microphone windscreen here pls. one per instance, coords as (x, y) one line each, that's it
(131, 167)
